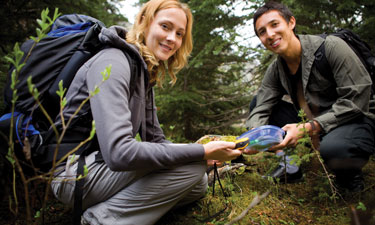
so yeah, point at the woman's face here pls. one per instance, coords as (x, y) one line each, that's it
(165, 33)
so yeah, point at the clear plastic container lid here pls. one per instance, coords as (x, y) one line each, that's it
(263, 137)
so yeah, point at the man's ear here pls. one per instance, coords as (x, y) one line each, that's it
(292, 22)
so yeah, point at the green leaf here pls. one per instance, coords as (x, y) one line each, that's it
(30, 85)
(63, 102)
(85, 170)
(361, 206)
(39, 34)
(40, 22)
(93, 130)
(20, 66)
(32, 89)
(106, 73)
(10, 60)
(96, 90)
(72, 159)
(44, 14)
(61, 90)
(37, 214)
(9, 156)
(56, 14)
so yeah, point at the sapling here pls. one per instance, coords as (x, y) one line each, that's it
(18, 61)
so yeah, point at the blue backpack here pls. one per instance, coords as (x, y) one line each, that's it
(72, 41)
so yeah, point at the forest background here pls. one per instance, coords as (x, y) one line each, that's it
(213, 92)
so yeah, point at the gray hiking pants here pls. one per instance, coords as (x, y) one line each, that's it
(131, 197)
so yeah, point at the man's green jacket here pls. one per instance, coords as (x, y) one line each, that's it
(333, 100)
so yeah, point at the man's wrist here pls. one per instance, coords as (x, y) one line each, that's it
(313, 128)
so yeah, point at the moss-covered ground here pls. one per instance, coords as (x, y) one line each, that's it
(309, 202)
(312, 201)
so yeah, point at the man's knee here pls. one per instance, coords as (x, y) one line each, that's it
(342, 154)
(348, 146)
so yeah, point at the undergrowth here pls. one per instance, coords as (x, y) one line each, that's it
(308, 202)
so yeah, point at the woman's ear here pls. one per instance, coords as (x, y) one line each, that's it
(142, 18)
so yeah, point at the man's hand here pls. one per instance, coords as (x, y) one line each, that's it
(293, 133)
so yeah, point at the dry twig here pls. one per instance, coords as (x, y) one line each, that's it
(255, 201)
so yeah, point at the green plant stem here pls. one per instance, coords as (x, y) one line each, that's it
(26, 189)
(14, 190)
(58, 145)
(50, 173)
(332, 186)
(47, 116)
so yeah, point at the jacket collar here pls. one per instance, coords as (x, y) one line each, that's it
(309, 44)
(115, 36)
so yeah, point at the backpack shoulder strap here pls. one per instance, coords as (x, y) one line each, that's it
(321, 61)
(134, 71)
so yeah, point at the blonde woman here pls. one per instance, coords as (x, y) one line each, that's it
(136, 182)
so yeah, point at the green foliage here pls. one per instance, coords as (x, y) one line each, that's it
(61, 94)
(106, 73)
(319, 16)
(18, 22)
(18, 164)
(32, 88)
(44, 24)
(18, 17)
(15, 58)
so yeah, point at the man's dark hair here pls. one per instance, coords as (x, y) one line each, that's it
(282, 9)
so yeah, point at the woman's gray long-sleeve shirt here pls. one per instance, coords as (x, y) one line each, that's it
(118, 118)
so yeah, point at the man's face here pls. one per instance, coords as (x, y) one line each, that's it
(274, 32)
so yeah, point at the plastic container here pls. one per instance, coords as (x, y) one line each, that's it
(263, 137)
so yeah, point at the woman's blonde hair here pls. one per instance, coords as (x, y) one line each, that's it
(136, 36)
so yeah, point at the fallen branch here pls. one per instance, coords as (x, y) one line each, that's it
(355, 218)
(255, 201)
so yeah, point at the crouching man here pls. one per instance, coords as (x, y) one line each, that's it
(338, 107)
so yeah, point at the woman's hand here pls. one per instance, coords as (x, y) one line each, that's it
(250, 151)
(221, 151)
(211, 162)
